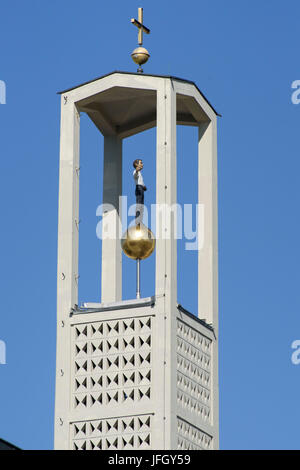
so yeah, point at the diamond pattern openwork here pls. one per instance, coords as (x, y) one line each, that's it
(112, 363)
(192, 438)
(130, 432)
(194, 372)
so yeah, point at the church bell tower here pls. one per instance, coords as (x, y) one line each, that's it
(140, 373)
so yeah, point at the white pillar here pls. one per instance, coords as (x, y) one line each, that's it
(67, 270)
(207, 197)
(111, 277)
(166, 244)
(166, 247)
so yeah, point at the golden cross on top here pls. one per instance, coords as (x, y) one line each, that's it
(140, 26)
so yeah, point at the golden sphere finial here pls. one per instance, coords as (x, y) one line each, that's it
(138, 242)
(140, 55)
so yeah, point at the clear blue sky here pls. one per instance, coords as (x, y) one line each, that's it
(244, 57)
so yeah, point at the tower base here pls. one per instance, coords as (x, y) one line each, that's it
(138, 381)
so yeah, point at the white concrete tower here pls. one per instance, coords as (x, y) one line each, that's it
(140, 374)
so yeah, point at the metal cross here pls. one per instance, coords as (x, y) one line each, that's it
(139, 24)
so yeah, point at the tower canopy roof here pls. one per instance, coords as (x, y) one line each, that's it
(124, 110)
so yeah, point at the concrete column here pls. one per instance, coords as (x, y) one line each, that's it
(67, 270)
(166, 198)
(208, 252)
(166, 246)
(208, 241)
(111, 276)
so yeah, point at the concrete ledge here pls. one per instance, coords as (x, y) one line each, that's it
(90, 307)
(194, 317)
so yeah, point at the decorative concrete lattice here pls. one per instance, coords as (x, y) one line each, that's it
(193, 371)
(133, 432)
(112, 363)
(192, 438)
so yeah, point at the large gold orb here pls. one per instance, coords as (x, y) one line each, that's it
(140, 55)
(138, 242)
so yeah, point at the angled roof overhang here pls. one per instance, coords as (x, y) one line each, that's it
(125, 103)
